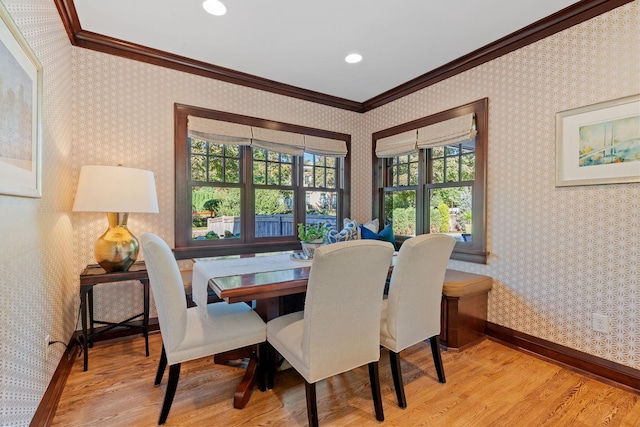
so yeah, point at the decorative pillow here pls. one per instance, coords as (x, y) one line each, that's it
(349, 232)
(373, 225)
(385, 235)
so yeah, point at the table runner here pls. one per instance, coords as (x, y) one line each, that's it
(208, 268)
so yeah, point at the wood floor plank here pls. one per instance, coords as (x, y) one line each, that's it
(487, 385)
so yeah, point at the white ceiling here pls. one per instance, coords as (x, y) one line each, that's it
(303, 43)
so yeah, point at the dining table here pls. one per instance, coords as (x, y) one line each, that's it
(258, 278)
(268, 281)
(263, 280)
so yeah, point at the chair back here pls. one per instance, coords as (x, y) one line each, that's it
(167, 288)
(415, 291)
(342, 306)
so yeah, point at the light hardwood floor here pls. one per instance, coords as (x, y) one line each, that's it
(487, 385)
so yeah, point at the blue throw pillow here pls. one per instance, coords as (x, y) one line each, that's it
(385, 235)
(349, 232)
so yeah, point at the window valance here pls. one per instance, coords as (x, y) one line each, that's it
(452, 131)
(400, 144)
(325, 146)
(218, 132)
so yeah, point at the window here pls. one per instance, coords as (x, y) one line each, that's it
(243, 184)
(399, 193)
(435, 185)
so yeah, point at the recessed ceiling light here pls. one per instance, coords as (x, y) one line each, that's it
(214, 7)
(353, 58)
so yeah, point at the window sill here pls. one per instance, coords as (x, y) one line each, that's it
(201, 251)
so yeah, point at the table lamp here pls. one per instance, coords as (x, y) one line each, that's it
(117, 191)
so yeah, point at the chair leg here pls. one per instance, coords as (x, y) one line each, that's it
(172, 385)
(396, 373)
(437, 357)
(374, 378)
(161, 367)
(312, 406)
(262, 365)
(272, 357)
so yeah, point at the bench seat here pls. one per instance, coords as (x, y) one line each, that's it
(465, 299)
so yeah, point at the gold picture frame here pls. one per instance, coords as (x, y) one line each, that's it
(21, 113)
(599, 143)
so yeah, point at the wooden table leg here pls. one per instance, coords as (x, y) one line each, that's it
(267, 309)
(83, 315)
(243, 392)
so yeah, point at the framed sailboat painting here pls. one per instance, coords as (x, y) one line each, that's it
(599, 143)
(20, 113)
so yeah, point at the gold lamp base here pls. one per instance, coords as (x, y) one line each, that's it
(117, 249)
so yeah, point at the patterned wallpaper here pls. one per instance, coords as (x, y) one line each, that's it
(37, 282)
(558, 255)
(123, 112)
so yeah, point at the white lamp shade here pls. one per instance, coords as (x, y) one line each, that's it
(115, 189)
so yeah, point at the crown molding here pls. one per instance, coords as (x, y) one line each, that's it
(545, 27)
(559, 21)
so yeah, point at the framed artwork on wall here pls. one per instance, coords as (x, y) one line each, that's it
(599, 143)
(20, 113)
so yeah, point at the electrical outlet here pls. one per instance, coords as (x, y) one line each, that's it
(600, 323)
(47, 339)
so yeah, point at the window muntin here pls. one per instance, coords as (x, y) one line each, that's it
(320, 171)
(274, 195)
(273, 187)
(320, 189)
(211, 162)
(449, 186)
(399, 195)
(214, 169)
(272, 168)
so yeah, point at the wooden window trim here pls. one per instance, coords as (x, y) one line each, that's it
(478, 253)
(188, 248)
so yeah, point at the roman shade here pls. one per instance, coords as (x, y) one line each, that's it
(218, 132)
(452, 131)
(325, 146)
(399, 144)
(277, 140)
(295, 144)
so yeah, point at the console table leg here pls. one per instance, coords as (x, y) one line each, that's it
(83, 314)
(91, 318)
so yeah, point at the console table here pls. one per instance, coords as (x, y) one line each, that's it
(96, 275)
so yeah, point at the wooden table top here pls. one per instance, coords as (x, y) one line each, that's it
(94, 274)
(262, 285)
(253, 286)
(256, 286)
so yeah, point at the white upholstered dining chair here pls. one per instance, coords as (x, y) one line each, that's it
(411, 313)
(339, 329)
(186, 333)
